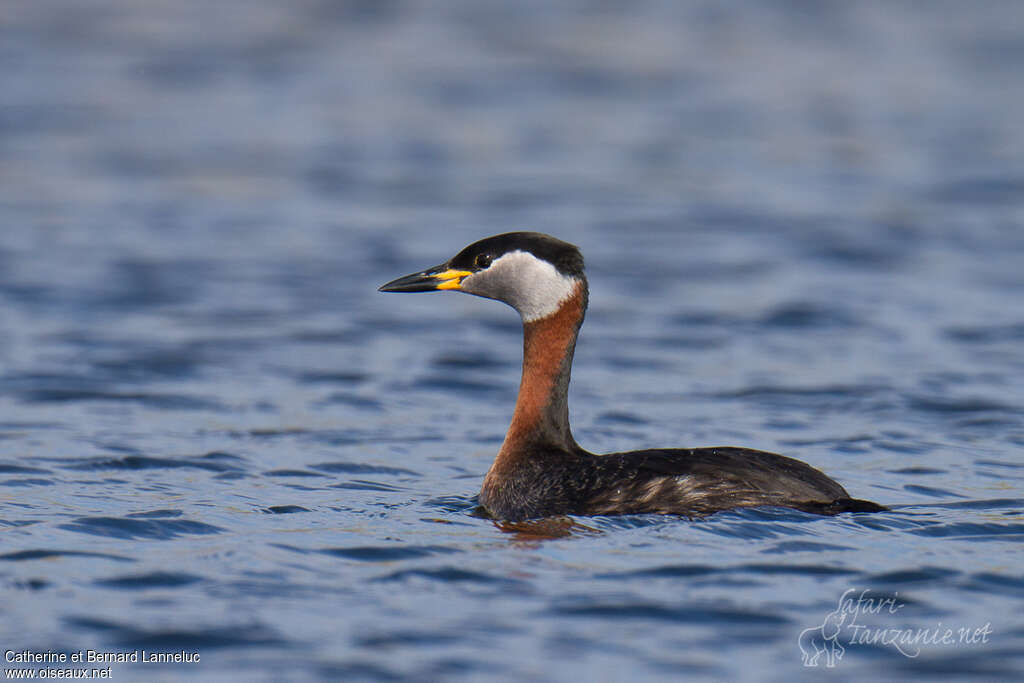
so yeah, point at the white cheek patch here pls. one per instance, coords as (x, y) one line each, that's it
(530, 285)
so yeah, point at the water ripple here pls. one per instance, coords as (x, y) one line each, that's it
(387, 553)
(447, 575)
(361, 468)
(198, 640)
(688, 614)
(213, 462)
(127, 528)
(150, 400)
(973, 531)
(151, 580)
(285, 509)
(23, 555)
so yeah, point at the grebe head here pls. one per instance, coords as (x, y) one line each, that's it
(530, 271)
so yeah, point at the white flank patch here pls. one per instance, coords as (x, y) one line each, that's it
(530, 285)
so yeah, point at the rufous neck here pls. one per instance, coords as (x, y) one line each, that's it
(542, 408)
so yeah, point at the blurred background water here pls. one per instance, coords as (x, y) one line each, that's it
(804, 228)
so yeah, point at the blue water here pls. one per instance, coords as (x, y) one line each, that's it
(804, 230)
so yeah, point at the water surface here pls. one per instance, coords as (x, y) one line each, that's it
(804, 230)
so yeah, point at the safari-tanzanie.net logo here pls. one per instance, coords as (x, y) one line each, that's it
(860, 619)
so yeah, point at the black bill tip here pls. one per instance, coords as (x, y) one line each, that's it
(423, 281)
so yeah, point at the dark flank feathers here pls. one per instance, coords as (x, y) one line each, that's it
(692, 482)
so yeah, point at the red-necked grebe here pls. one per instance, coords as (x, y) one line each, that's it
(540, 470)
